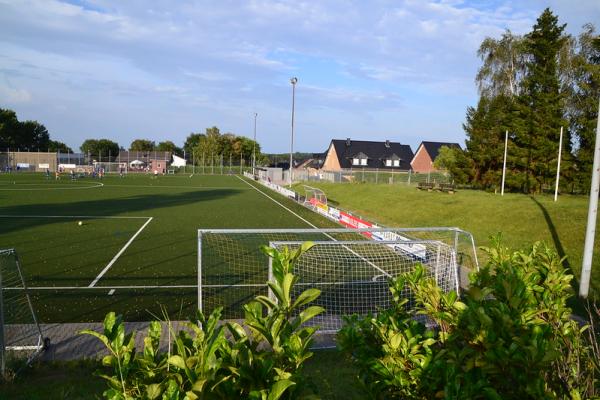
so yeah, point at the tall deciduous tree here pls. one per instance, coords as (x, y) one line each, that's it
(168, 146)
(60, 147)
(583, 101)
(141, 145)
(503, 65)
(101, 148)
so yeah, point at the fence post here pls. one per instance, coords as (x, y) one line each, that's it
(200, 271)
(2, 344)
(376, 175)
(409, 174)
(437, 263)
(270, 277)
(241, 162)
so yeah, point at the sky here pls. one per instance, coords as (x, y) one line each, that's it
(401, 70)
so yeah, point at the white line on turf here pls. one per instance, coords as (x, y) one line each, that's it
(116, 257)
(191, 175)
(96, 185)
(178, 187)
(72, 216)
(314, 226)
(111, 292)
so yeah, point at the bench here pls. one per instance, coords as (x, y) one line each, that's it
(447, 187)
(425, 186)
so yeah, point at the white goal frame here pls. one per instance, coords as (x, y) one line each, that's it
(404, 239)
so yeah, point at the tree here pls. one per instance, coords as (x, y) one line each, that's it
(101, 148)
(33, 136)
(583, 102)
(208, 147)
(454, 161)
(141, 145)
(541, 104)
(503, 65)
(8, 129)
(168, 146)
(56, 146)
(192, 141)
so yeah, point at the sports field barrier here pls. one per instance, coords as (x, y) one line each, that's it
(19, 329)
(349, 265)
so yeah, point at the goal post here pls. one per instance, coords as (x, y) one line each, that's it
(356, 264)
(20, 333)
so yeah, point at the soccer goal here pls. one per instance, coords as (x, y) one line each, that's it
(350, 266)
(20, 333)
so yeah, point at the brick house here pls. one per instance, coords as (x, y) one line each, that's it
(346, 154)
(426, 155)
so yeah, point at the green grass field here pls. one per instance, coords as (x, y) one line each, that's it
(136, 231)
(521, 219)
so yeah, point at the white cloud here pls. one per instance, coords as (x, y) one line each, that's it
(14, 95)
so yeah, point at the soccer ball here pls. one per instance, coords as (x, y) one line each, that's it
(80, 223)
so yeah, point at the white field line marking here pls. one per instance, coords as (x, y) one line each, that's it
(191, 175)
(72, 216)
(96, 185)
(314, 226)
(141, 287)
(179, 187)
(116, 257)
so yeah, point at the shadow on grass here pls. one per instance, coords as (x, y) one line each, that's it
(105, 207)
(576, 303)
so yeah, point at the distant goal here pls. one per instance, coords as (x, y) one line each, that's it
(349, 266)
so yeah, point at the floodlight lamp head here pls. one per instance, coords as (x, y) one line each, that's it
(294, 80)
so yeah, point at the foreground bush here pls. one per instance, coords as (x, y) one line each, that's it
(264, 362)
(510, 336)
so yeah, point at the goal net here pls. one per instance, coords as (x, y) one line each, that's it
(20, 334)
(354, 276)
(352, 267)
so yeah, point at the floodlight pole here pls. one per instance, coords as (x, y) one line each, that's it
(558, 166)
(254, 147)
(588, 249)
(293, 81)
(504, 164)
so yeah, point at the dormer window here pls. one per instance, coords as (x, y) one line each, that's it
(360, 159)
(392, 161)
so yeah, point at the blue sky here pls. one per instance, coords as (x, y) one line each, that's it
(371, 70)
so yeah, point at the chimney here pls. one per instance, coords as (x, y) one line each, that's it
(348, 142)
(387, 144)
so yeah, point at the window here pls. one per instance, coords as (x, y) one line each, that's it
(356, 161)
(388, 163)
(363, 161)
(396, 163)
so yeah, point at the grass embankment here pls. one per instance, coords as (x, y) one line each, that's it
(521, 219)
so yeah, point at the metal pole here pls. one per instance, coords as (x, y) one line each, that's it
(558, 166)
(254, 147)
(241, 162)
(588, 249)
(293, 81)
(2, 345)
(504, 165)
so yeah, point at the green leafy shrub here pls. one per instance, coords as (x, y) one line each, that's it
(262, 359)
(511, 336)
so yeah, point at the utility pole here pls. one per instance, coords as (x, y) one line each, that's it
(558, 166)
(254, 147)
(588, 249)
(293, 81)
(504, 164)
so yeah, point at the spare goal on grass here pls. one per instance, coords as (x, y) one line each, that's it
(352, 267)
(20, 334)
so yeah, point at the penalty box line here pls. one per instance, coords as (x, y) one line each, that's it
(315, 227)
(116, 257)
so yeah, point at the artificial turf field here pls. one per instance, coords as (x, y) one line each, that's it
(136, 231)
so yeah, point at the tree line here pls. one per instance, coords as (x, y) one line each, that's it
(532, 85)
(26, 135)
(212, 145)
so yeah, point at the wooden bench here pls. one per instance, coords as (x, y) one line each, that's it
(447, 187)
(425, 186)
